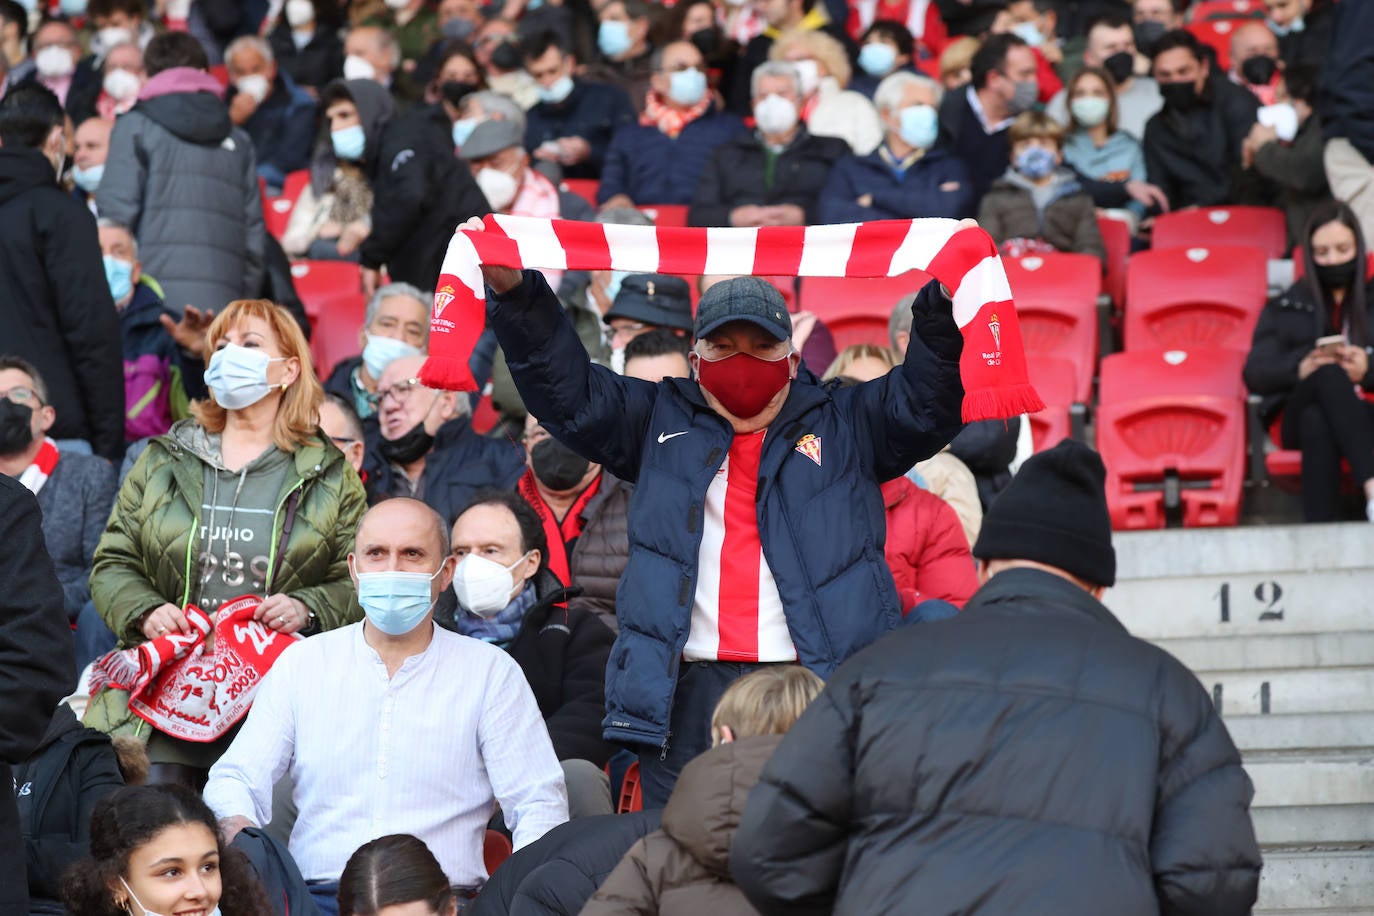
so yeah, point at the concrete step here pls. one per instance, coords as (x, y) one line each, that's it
(1329, 882)
(1275, 691)
(1335, 731)
(1274, 650)
(1332, 780)
(1314, 825)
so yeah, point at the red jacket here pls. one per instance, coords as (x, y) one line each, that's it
(926, 548)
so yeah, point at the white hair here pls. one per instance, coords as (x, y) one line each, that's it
(775, 68)
(106, 223)
(245, 42)
(397, 289)
(889, 94)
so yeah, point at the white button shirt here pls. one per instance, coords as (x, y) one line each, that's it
(426, 752)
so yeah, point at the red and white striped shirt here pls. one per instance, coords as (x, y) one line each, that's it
(737, 613)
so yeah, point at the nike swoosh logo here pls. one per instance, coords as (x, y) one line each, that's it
(664, 437)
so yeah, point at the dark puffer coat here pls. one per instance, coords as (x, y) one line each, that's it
(603, 549)
(1028, 756)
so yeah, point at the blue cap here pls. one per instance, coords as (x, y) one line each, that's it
(743, 299)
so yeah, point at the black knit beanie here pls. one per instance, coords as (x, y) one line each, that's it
(1054, 511)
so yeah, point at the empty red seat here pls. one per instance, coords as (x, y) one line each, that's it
(331, 290)
(1216, 34)
(584, 188)
(1171, 430)
(631, 792)
(1226, 9)
(1056, 381)
(1056, 303)
(496, 848)
(1116, 236)
(1260, 227)
(276, 211)
(856, 310)
(666, 214)
(1186, 298)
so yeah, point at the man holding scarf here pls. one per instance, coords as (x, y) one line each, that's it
(756, 528)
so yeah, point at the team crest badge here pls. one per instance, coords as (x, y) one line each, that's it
(810, 446)
(995, 327)
(442, 298)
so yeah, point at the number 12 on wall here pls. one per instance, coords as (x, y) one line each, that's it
(1267, 596)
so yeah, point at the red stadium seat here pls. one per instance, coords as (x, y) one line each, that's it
(1187, 298)
(496, 848)
(1226, 9)
(666, 214)
(484, 416)
(1056, 380)
(631, 793)
(1216, 34)
(856, 310)
(1056, 302)
(276, 211)
(1260, 227)
(332, 290)
(221, 74)
(1116, 235)
(1171, 430)
(584, 188)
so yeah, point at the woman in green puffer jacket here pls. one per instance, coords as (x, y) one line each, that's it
(249, 497)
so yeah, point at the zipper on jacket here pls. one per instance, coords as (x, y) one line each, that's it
(276, 535)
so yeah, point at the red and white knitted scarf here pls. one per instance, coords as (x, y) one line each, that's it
(993, 365)
(36, 474)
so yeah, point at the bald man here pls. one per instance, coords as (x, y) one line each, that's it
(393, 725)
(1255, 62)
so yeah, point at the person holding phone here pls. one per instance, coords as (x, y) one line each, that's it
(1310, 361)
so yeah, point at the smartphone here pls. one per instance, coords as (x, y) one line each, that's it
(1332, 344)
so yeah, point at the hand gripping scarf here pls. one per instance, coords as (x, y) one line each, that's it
(993, 365)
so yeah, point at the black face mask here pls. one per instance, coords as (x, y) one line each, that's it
(558, 467)
(1147, 33)
(454, 92)
(1179, 96)
(707, 41)
(1120, 65)
(409, 447)
(16, 431)
(1258, 71)
(506, 56)
(1335, 276)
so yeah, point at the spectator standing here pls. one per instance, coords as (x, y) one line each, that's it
(122, 76)
(1111, 47)
(773, 178)
(574, 121)
(1055, 761)
(506, 596)
(1345, 102)
(1039, 205)
(57, 311)
(35, 663)
(1293, 160)
(912, 174)
(183, 178)
(390, 672)
(306, 44)
(332, 217)
(277, 115)
(827, 107)
(1316, 391)
(660, 160)
(1193, 145)
(1003, 85)
(74, 491)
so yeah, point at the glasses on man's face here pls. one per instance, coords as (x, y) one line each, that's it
(21, 395)
(400, 392)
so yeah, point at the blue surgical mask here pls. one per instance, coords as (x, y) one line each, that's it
(613, 284)
(381, 351)
(349, 142)
(1029, 33)
(1297, 25)
(920, 126)
(462, 129)
(877, 59)
(687, 87)
(88, 179)
(613, 38)
(395, 602)
(1035, 162)
(119, 274)
(73, 9)
(237, 376)
(560, 90)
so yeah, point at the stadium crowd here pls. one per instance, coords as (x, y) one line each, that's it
(282, 636)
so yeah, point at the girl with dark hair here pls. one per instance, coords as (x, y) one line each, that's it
(156, 850)
(1310, 361)
(395, 871)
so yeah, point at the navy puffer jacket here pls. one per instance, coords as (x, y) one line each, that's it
(821, 522)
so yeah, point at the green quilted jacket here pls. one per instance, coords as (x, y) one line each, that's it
(146, 556)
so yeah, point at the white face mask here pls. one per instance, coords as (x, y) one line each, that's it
(483, 586)
(255, 86)
(1282, 117)
(499, 187)
(121, 85)
(809, 74)
(54, 62)
(775, 115)
(299, 13)
(356, 68)
(396, 4)
(113, 35)
(148, 912)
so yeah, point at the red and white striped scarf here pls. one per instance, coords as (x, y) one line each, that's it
(35, 475)
(993, 365)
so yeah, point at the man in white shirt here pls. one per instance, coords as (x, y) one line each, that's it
(393, 725)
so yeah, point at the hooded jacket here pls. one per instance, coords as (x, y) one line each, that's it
(682, 869)
(57, 787)
(184, 180)
(149, 548)
(926, 548)
(376, 108)
(1028, 756)
(1068, 221)
(55, 306)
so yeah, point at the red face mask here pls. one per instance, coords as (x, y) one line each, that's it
(743, 383)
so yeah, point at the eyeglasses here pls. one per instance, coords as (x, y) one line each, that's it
(401, 392)
(21, 395)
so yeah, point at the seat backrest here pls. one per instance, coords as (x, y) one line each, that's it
(666, 214)
(335, 339)
(1116, 236)
(1216, 34)
(1056, 381)
(1170, 373)
(584, 188)
(836, 298)
(1261, 227)
(319, 282)
(1186, 298)
(1226, 9)
(1056, 305)
(496, 848)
